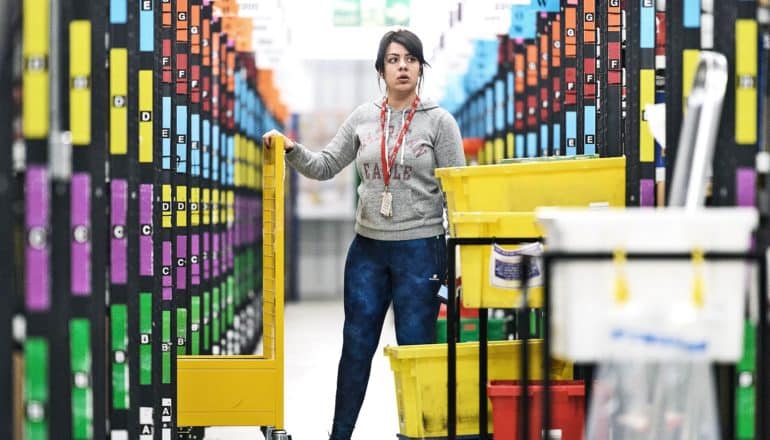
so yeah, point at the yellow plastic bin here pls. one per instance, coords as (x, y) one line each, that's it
(499, 201)
(522, 187)
(420, 373)
(478, 290)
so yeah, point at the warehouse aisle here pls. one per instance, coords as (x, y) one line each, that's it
(313, 344)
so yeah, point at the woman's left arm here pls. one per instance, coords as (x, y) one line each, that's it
(448, 146)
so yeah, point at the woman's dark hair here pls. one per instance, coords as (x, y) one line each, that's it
(405, 38)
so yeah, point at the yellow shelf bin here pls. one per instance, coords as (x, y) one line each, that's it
(246, 390)
(420, 373)
(478, 292)
(522, 187)
(500, 200)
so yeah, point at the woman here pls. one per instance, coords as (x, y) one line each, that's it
(399, 251)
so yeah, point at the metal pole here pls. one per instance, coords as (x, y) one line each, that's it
(547, 344)
(483, 337)
(761, 348)
(451, 347)
(524, 332)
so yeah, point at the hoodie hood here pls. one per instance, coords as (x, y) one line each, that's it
(425, 104)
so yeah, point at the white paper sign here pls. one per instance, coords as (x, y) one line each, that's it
(505, 266)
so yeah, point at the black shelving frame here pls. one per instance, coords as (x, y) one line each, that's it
(549, 259)
(453, 336)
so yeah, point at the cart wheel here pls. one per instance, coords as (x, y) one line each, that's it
(272, 433)
(280, 434)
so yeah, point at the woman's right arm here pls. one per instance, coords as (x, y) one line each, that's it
(324, 164)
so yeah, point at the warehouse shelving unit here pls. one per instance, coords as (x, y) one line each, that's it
(131, 181)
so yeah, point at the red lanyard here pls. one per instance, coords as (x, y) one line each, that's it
(388, 164)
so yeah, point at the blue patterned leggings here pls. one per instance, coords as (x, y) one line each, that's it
(408, 273)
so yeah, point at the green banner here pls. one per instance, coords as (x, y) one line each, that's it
(377, 13)
(347, 13)
(397, 12)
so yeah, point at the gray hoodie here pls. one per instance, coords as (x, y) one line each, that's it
(432, 141)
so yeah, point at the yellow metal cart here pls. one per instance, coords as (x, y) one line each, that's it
(247, 390)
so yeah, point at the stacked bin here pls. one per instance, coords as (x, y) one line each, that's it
(420, 377)
(568, 409)
(499, 201)
(482, 202)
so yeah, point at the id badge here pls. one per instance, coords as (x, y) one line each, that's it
(386, 206)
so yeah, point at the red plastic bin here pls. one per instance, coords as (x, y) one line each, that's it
(464, 312)
(567, 409)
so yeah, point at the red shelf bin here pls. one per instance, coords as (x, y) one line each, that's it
(567, 409)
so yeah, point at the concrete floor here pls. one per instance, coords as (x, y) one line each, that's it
(313, 344)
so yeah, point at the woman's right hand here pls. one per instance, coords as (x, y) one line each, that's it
(267, 140)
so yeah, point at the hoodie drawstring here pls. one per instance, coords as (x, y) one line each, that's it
(403, 147)
(387, 133)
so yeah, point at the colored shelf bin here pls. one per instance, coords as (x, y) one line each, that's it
(464, 311)
(745, 394)
(567, 409)
(420, 373)
(469, 330)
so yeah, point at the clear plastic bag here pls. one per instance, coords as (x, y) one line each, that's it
(653, 401)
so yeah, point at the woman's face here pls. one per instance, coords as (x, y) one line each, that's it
(402, 70)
